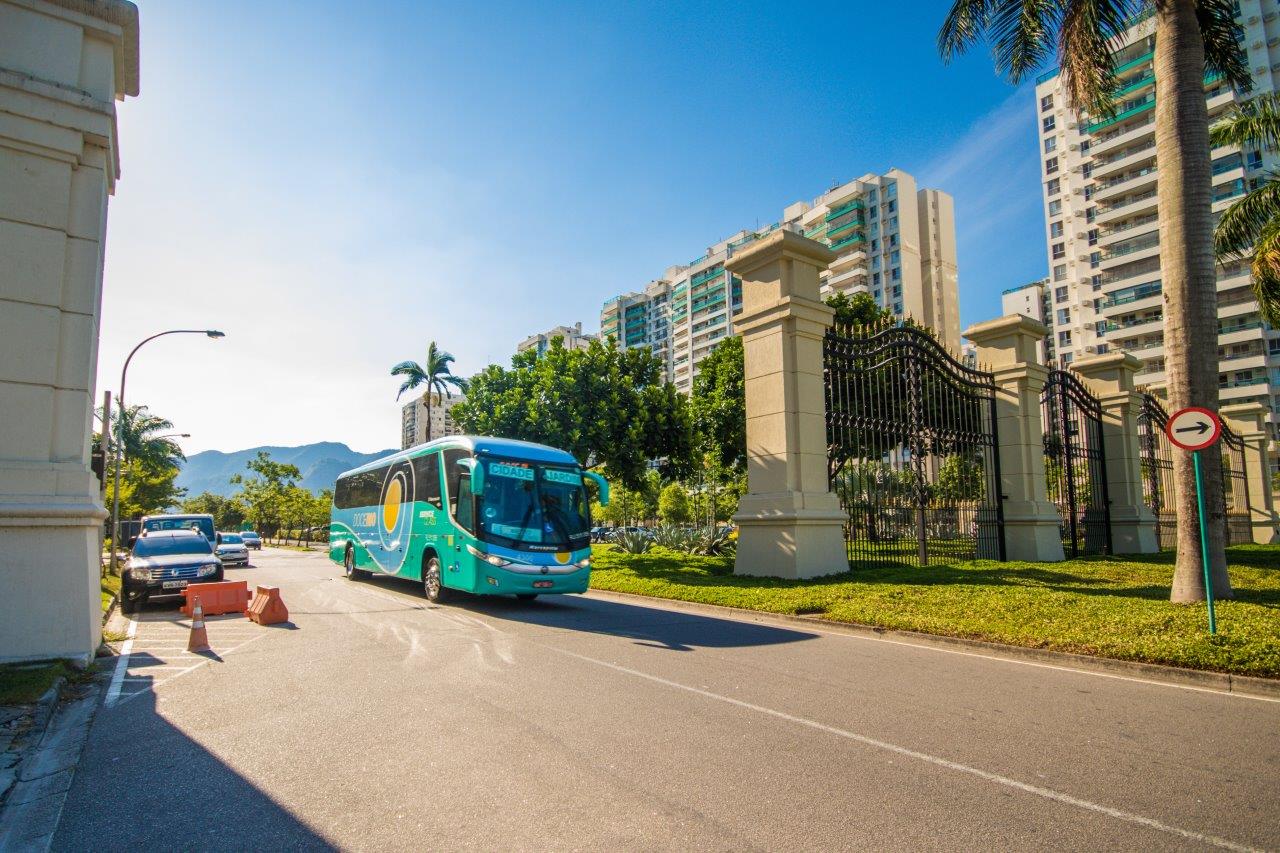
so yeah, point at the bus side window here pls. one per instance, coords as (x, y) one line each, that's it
(453, 474)
(426, 479)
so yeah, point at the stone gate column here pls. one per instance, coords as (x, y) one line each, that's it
(63, 65)
(1110, 378)
(1007, 346)
(790, 523)
(1248, 420)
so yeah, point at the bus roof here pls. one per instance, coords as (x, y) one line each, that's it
(478, 444)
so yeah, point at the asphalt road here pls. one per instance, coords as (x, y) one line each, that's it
(377, 721)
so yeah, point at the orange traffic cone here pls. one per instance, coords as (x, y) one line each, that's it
(199, 641)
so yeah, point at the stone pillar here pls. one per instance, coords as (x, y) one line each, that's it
(1110, 377)
(63, 64)
(1248, 420)
(790, 523)
(1007, 346)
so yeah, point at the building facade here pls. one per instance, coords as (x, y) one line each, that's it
(1102, 227)
(573, 338)
(413, 419)
(1035, 300)
(892, 240)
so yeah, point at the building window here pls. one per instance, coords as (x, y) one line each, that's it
(1093, 236)
(1064, 316)
(895, 274)
(1055, 207)
(897, 307)
(1066, 358)
(893, 223)
(893, 240)
(890, 206)
(874, 212)
(895, 256)
(1051, 165)
(875, 245)
(1059, 251)
(1055, 229)
(1087, 170)
(1048, 123)
(1060, 272)
(1064, 339)
(1054, 186)
(897, 290)
(875, 279)
(1060, 293)
(1095, 258)
(871, 195)
(1088, 192)
(1096, 282)
(1046, 103)
(1050, 144)
(1084, 147)
(1100, 327)
(891, 190)
(1091, 214)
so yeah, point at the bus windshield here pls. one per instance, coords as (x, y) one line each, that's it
(533, 506)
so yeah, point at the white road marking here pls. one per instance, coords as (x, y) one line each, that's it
(122, 663)
(994, 656)
(186, 671)
(1046, 793)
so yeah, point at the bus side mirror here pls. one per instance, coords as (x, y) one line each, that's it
(602, 484)
(477, 474)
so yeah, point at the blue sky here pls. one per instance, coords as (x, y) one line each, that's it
(335, 185)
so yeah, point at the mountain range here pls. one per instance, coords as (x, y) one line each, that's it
(320, 464)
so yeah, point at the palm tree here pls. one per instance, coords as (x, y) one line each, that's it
(1191, 36)
(434, 373)
(135, 432)
(1252, 224)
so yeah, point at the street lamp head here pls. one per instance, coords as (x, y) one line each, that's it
(215, 334)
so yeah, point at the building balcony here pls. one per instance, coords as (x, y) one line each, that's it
(1118, 330)
(1240, 333)
(1120, 137)
(1244, 361)
(852, 274)
(854, 239)
(1234, 389)
(1124, 184)
(837, 212)
(1136, 248)
(852, 261)
(841, 230)
(1128, 158)
(1127, 229)
(1123, 208)
(1144, 105)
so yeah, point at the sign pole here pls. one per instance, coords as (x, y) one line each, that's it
(1204, 545)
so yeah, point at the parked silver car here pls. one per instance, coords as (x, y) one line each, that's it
(251, 539)
(231, 550)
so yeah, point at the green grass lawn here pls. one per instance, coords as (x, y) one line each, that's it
(110, 589)
(23, 683)
(1115, 607)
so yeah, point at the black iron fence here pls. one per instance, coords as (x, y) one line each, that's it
(1156, 460)
(912, 448)
(1075, 463)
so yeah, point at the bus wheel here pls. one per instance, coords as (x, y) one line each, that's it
(432, 586)
(349, 565)
(526, 596)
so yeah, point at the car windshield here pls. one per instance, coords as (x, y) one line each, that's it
(231, 539)
(249, 535)
(163, 546)
(540, 507)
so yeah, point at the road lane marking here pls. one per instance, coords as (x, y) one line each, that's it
(122, 663)
(1046, 793)
(187, 671)
(745, 619)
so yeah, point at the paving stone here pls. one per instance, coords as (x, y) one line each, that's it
(46, 786)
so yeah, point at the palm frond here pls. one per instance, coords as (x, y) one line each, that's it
(1090, 29)
(406, 368)
(963, 27)
(1255, 122)
(408, 385)
(1023, 35)
(1222, 52)
(1244, 222)
(1266, 272)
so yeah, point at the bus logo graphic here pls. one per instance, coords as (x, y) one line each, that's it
(391, 503)
(562, 557)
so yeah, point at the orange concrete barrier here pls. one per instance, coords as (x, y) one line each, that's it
(267, 608)
(223, 597)
(199, 639)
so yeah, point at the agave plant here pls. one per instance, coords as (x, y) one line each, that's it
(712, 542)
(672, 537)
(632, 542)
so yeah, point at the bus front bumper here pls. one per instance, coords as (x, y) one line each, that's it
(496, 581)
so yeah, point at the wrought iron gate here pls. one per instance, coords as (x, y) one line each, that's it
(1155, 456)
(1235, 489)
(912, 450)
(1075, 464)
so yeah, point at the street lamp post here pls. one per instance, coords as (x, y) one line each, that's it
(120, 404)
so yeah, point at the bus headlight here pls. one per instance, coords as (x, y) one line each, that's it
(584, 563)
(491, 559)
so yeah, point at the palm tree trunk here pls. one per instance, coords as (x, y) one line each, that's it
(1190, 281)
(426, 401)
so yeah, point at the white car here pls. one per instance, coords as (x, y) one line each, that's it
(231, 550)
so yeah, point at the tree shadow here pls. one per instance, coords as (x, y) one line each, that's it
(144, 784)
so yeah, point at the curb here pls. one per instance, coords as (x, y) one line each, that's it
(1220, 682)
(32, 810)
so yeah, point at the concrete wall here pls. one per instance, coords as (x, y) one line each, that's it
(62, 67)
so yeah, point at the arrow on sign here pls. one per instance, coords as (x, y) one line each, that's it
(1201, 427)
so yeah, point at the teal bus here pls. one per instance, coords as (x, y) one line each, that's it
(489, 516)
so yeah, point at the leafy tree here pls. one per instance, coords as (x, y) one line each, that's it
(962, 478)
(145, 490)
(673, 504)
(718, 403)
(136, 434)
(434, 373)
(264, 493)
(858, 309)
(1191, 36)
(228, 513)
(610, 408)
(1251, 225)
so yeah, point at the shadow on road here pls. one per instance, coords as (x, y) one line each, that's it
(143, 784)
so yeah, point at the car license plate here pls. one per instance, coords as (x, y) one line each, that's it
(542, 584)
(174, 584)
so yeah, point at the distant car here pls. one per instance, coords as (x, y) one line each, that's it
(643, 531)
(598, 534)
(251, 539)
(166, 563)
(202, 523)
(231, 550)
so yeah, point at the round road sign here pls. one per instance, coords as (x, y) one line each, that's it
(1193, 428)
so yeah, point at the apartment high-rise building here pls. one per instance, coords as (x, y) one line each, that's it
(573, 337)
(1035, 300)
(892, 241)
(413, 419)
(1099, 182)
